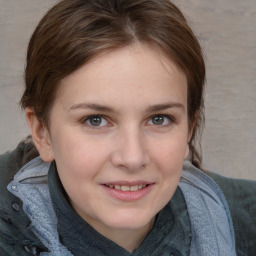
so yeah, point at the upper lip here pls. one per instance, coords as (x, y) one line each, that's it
(128, 183)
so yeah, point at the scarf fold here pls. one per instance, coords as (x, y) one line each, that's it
(211, 224)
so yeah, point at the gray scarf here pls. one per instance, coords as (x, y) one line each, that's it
(211, 225)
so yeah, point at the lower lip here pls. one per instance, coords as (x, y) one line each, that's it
(129, 196)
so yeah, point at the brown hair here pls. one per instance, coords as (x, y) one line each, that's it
(74, 32)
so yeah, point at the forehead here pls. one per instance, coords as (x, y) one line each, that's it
(123, 75)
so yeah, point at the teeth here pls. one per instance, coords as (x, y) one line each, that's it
(127, 188)
(117, 187)
(134, 188)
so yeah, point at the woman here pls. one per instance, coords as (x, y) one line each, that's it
(114, 103)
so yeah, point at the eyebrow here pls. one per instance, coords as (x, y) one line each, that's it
(101, 108)
(160, 107)
(92, 106)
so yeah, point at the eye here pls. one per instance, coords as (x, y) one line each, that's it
(96, 121)
(160, 120)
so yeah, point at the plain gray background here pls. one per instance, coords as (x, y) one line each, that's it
(227, 32)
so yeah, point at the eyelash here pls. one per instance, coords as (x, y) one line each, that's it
(171, 120)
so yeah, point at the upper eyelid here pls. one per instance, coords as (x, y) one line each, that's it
(91, 116)
(171, 117)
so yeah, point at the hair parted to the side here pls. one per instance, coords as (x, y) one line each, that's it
(74, 32)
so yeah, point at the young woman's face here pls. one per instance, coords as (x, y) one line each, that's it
(119, 134)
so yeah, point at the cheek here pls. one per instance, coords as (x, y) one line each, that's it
(83, 155)
(168, 161)
(168, 158)
(170, 150)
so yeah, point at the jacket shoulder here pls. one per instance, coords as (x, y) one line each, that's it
(12, 161)
(241, 198)
(15, 236)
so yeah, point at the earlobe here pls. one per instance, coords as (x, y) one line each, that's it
(40, 135)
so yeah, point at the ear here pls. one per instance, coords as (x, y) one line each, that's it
(186, 152)
(40, 135)
(192, 126)
(190, 134)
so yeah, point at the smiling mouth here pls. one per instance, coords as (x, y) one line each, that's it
(126, 188)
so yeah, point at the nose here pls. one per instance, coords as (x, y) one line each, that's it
(131, 152)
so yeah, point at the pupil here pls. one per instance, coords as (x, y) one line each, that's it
(95, 121)
(158, 120)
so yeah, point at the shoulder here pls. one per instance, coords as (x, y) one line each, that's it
(241, 198)
(12, 161)
(15, 237)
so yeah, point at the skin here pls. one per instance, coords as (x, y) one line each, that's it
(142, 134)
